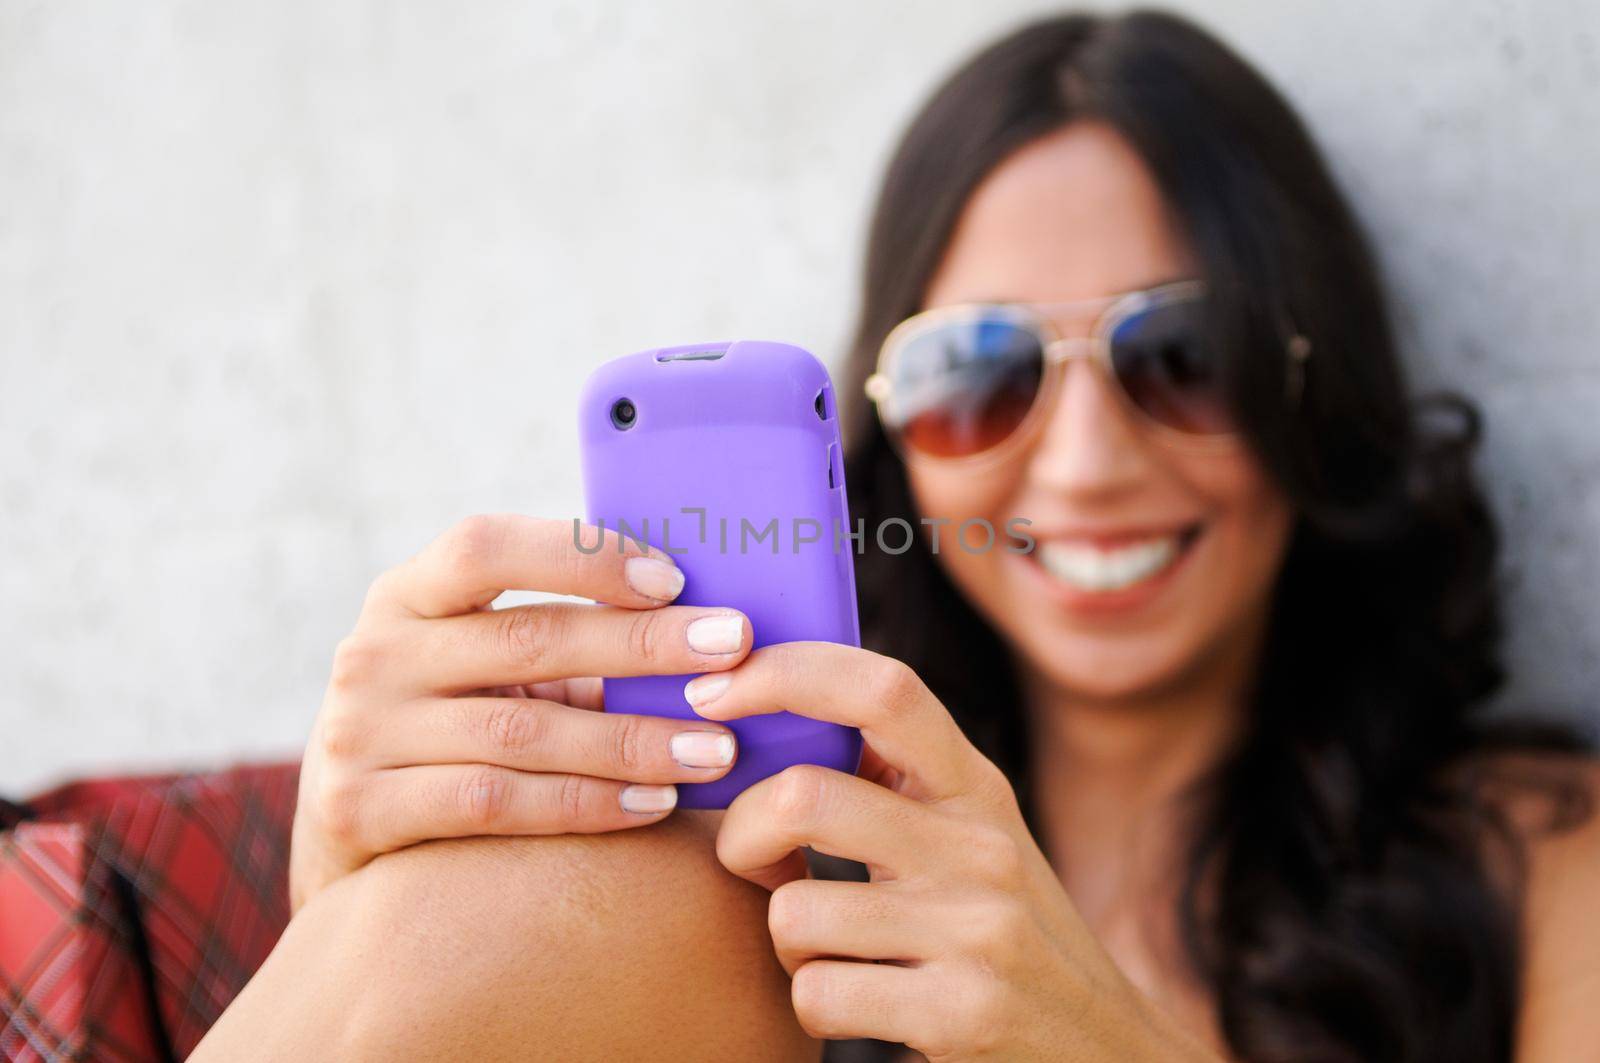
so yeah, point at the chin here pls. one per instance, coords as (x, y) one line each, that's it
(1114, 670)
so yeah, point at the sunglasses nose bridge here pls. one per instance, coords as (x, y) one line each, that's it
(1068, 347)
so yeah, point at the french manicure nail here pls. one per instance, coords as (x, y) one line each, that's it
(653, 578)
(717, 634)
(705, 689)
(702, 749)
(648, 799)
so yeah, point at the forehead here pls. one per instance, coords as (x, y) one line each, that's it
(1074, 214)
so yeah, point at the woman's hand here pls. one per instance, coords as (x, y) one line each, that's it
(979, 953)
(445, 717)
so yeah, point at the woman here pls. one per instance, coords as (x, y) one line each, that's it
(1202, 776)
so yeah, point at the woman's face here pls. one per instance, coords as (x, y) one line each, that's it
(1073, 216)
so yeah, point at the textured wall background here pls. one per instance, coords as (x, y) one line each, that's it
(286, 288)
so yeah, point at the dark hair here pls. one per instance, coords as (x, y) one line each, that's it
(1341, 901)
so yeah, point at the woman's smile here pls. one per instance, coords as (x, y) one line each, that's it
(1092, 575)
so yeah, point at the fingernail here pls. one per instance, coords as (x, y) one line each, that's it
(702, 749)
(653, 578)
(717, 634)
(647, 799)
(705, 689)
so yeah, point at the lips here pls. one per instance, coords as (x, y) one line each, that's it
(1110, 562)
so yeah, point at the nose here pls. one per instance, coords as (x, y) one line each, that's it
(1089, 448)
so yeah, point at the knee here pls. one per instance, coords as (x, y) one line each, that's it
(635, 890)
(611, 944)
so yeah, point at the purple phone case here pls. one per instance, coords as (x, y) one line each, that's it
(734, 429)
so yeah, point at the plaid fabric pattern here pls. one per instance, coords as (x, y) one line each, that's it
(133, 910)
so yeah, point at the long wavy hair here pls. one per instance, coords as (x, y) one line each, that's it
(1342, 897)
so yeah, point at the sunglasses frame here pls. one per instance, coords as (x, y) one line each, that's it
(1058, 349)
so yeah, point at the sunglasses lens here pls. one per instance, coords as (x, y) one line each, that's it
(1162, 359)
(965, 385)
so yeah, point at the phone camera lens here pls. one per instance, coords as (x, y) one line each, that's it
(623, 414)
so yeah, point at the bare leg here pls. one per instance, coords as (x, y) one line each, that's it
(632, 945)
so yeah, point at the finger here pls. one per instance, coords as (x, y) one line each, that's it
(540, 736)
(875, 769)
(840, 998)
(538, 643)
(832, 812)
(388, 810)
(817, 919)
(899, 717)
(480, 558)
(582, 693)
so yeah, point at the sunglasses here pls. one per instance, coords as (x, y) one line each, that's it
(963, 381)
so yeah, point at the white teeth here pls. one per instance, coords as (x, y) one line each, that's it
(1092, 569)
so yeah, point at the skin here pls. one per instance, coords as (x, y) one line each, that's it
(988, 949)
(631, 945)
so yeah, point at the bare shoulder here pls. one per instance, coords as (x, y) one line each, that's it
(1548, 805)
(1552, 804)
(630, 945)
(1561, 830)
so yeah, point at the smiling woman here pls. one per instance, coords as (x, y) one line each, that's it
(1206, 775)
(1238, 685)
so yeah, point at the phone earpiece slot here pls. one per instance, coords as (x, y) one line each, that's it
(690, 356)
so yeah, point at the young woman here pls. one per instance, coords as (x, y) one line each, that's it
(1204, 775)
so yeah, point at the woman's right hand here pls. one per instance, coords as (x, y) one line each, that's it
(446, 717)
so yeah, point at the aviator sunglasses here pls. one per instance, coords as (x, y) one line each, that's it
(963, 381)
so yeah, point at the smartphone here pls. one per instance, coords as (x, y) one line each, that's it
(726, 455)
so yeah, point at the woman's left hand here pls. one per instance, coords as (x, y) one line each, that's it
(964, 945)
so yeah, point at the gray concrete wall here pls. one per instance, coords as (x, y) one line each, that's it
(286, 288)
